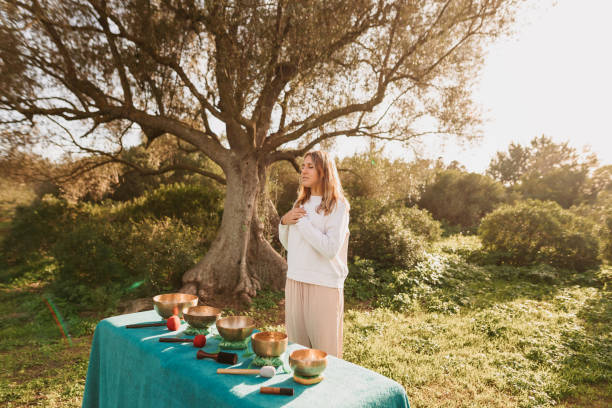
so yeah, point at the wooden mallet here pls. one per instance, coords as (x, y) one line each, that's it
(221, 357)
(276, 390)
(198, 341)
(265, 371)
(139, 325)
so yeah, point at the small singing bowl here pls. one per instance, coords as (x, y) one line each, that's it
(235, 328)
(308, 362)
(269, 344)
(201, 317)
(167, 304)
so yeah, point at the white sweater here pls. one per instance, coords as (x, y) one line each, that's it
(317, 245)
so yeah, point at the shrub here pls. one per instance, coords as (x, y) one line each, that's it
(531, 232)
(160, 251)
(393, 237)
(35, 228)
(90, 274)
(600, 213)
(86, 254)
(103, 249)
(436, 283)
(193, 204)
(462, 199)
(420, 223)
(96, 259)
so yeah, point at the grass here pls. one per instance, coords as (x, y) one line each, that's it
(524, 337)
(523, 352)
(492, 337)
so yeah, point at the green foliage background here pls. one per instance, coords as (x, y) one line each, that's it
(518, 313)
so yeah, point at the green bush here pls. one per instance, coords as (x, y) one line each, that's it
(462, 199)
(393, 237)
(35, 228)
(436, 283)
(87, 254)
(420, 223)
(193, 204)
(599, 211)
(103, 249)
(160, 251)
(531, 232)
(96, 258)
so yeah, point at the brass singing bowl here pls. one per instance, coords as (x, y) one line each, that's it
(269, 344)
(201, 317)
(165, 305)
(308, 362)
(235, 328)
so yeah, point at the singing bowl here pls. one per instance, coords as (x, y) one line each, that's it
(269, 344)
(308, 362)
(235, 328)
(165, 305)
(201, 317)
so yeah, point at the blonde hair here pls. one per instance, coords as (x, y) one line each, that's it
(332, 189)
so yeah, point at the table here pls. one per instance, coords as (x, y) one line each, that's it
(131, 368)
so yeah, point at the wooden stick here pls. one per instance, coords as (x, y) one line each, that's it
(237, 371)
(137, 326)
(174, 340)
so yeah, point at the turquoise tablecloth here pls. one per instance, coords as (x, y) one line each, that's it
(131, 368)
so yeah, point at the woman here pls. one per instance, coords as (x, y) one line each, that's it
(315, 233)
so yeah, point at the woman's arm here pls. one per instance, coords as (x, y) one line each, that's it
(327, 243)
(291, 217)
(283, 235)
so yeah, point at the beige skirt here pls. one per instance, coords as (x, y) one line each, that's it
(313, 315)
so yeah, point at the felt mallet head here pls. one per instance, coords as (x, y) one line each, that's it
(199, 341)
(267, 371)
(173, 323)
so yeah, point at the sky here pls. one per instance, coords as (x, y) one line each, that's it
(552, 77)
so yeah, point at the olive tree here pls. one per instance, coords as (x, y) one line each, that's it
(245, 82)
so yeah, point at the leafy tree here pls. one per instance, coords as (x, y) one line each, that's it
(563, 185)
(600, 181)
(511, 166)
(246, 83)
(544, 170)
(373, 176)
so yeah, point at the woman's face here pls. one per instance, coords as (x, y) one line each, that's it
(310, 176)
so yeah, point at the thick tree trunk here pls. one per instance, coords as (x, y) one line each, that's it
(240, 261)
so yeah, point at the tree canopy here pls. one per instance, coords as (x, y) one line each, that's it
(246, 83)
(546, 170)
